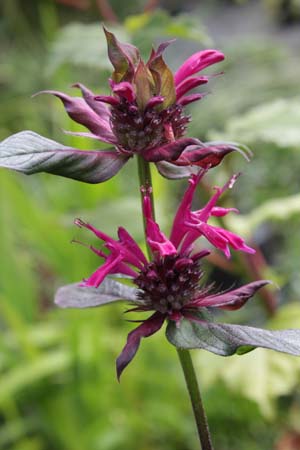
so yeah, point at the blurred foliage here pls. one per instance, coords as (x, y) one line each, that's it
(275, 374)
(284, 10)
(57, 382)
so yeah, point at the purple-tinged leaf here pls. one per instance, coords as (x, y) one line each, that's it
(79, 111)
(168, 152)
(160, 49)
(164, 81)
(89, 97)
(205, 156)
(146, 329)
(122, 56)
(110, 291)
(174, 172)
(233, 299)
(144, 84)
(226, 339)
(29, 153)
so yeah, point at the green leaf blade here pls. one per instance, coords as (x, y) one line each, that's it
(30, 153)
(110, 291)
(227, 339)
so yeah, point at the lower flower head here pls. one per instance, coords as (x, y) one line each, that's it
(169, 284)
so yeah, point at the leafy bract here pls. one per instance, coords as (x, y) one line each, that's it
(110, 291)
(30, 153)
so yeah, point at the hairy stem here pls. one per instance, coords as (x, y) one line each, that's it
(196, 400)
(184, 355)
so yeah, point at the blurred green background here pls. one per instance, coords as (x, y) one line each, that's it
(58, 388)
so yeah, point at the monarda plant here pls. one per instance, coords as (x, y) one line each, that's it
(144, 117)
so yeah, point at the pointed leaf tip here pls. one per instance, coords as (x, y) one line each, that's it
(226, 339)
(123, 57)
(234, 299)
(77, 296)
(30, 153)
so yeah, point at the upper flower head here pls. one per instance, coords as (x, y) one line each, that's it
(145, 111)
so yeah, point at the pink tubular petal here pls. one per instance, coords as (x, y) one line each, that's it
(113, 101)
(218, 211)
(202, 254)
(215, 237)
(81, 113)
(187, 99)
(107, 268)
(157, 241)
(197, 62)
(89, 97)
(204, 213)
(235, 241)
(154, 101)
(183, 211)
(120, 268)
(146, 329)
(124, 90)
(188, 84)
(231, 300)
(112, 244)
(131, 245)
(168, 152)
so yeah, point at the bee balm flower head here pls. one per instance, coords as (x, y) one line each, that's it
(143, 115)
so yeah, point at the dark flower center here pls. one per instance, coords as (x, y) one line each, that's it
(137, 130)
(167, 285)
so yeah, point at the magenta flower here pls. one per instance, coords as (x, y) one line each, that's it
(144, 115)
(169, 284)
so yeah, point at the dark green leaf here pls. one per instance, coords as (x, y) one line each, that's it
(29, 153)
(110, 291)
(226, 339)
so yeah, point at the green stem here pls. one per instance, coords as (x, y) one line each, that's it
(184, 355)
(145, 182)
(196, 400)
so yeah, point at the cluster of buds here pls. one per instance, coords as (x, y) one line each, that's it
(145, 113)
